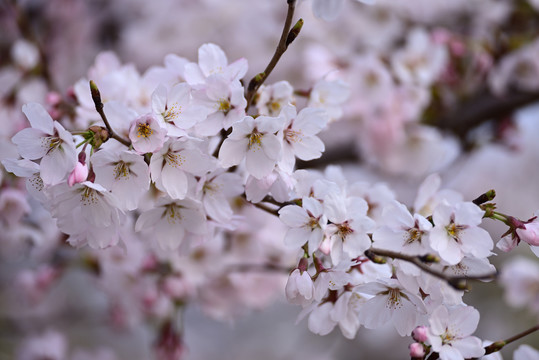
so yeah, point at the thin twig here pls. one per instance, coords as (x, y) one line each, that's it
(287, 37)
(457, 282)
(96, 97)
(266, 208)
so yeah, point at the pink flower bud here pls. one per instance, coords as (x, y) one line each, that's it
(79, 174)
(420, 334)
(417, 350)
(53, 98)
(530, 234)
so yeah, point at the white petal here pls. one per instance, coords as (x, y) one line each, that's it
(293, 216)
(232, 152)
(39, 117)
(211, 59)
(258, 163)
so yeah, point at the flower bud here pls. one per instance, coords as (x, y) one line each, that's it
(79, 174)
(416, 350)
(420, 334)
(530, 233)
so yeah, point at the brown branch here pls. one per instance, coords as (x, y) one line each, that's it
(287, 36)
(457, 282)
(266, 208)
(483, 107)
(96, 97)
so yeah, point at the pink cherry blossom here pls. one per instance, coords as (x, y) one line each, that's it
(146, 134)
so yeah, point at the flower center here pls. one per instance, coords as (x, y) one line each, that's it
(394, 299)
(121, 171)
(453, 230)
(89, 196)
(210, 188)
(172, 112)
(144, 130)
(292, 136)
(51, 143)
(344, 229)
(414, 234)
(172, 213)
(224, 106)
(174, 160)
(275, 107)
(255, 139)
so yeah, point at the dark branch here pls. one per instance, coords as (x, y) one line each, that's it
(96, 97)
(457, 282)
(287, 36)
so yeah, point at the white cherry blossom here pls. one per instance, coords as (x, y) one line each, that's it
(170, 221)
(299, 135)
(171, 166)
(450, 333)
(456, 232)
(124, 174)
(212, 60)
(88, 213)
(216, 188)
(391, 302)
(349, 226)
(299, 288)
(146, 134)
(176, 109)
(255, 140)
(307, 224)
(49, 141)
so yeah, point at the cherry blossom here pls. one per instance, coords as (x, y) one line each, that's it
(456, 232)
(146, 134)
(450, 333)
(171, 167)
(124, 174)
(171, 220)
(307, 224)
(49, 141)
(349, 226)
(391, 302)
(255, 140)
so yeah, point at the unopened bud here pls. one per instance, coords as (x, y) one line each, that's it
(417, 351)
(375, 258)
(96, 95)
(483, 198)
(78, 175)
(459, 284)
(494, 347)
(294, 32)
(420, 334)
(429, 258)
(98, 135)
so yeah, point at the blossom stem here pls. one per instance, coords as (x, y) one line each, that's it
(266, 208)
(498, 345)
(287, 36)
(96, 97)
(457, 282)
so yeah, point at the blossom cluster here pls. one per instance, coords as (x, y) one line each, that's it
(185, 184)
